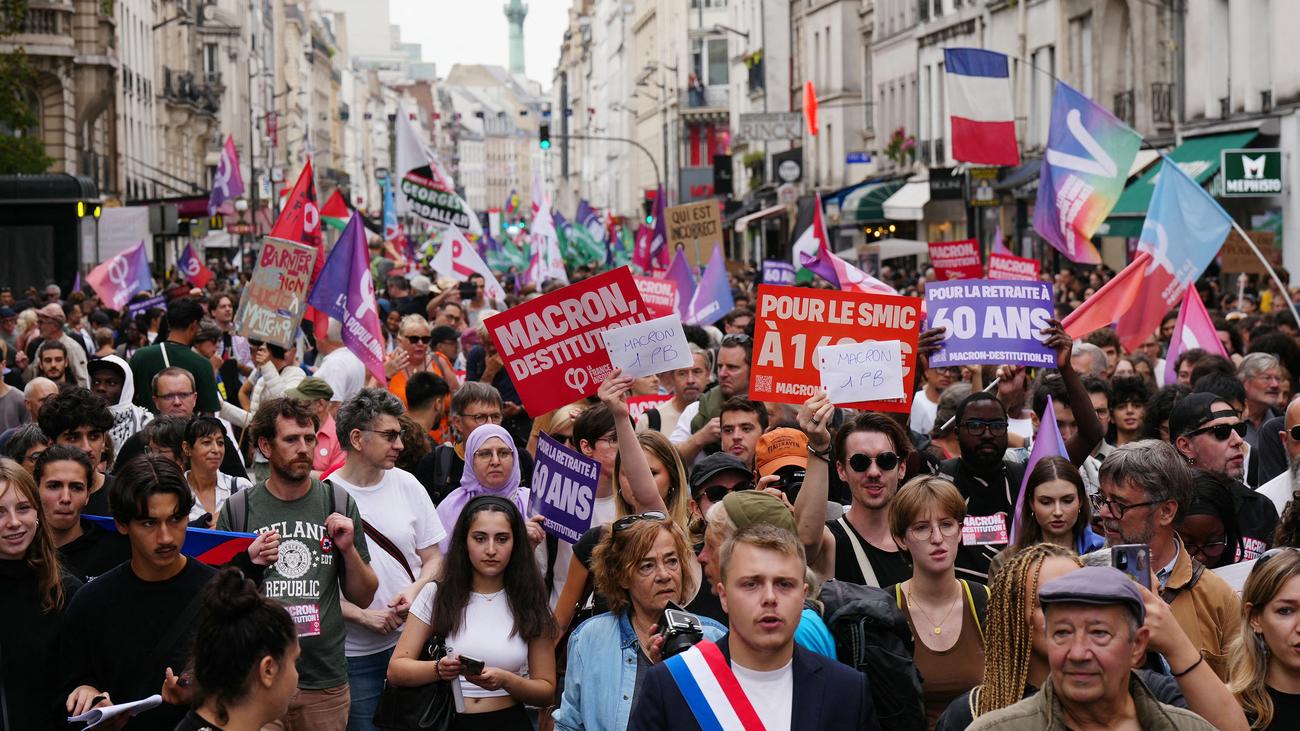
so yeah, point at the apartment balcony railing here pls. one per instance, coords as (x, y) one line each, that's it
(1123, 108)
(1162, 102)
(705, 97)
(183, 87)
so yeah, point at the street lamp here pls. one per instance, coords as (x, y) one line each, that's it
(720, 28)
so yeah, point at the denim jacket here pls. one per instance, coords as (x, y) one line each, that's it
(598, 684)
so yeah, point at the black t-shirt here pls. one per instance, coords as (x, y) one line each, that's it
(95, 552)
(98, 503)
(111, 635)
(194, 722)
(1286, 711)
(990, 509)
(29, 638)
(891, 567)
(1256, 516)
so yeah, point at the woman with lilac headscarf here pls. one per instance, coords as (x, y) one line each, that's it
(491, 468)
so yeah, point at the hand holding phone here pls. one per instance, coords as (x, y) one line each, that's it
(471, 666)
(1133, 559)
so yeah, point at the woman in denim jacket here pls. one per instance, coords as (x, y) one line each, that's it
(639, 566)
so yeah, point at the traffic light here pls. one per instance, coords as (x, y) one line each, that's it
(544, 135)
(648, 205)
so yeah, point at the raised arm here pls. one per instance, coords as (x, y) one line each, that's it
(1090, 432)
(810, 505)
(613, 393)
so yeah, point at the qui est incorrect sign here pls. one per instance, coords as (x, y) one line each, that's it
(551, 346)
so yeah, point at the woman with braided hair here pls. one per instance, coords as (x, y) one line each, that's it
(1015, 649)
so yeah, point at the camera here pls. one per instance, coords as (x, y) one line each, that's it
(791, 481)
(468, 290)
(680, 630)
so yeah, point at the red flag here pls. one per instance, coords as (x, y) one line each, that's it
(810, 107)
(193, 268)
(299, 221)
(1114, 303)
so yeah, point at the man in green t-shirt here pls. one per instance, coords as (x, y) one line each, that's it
(183, 317)
(322, 551)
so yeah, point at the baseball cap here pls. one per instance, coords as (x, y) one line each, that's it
(747, 507)
(53, 312)
(1192, 411)
(420, 284)
(311, 389)
(714, 464)
(779, 448)
(7, 312)
(1100, 585)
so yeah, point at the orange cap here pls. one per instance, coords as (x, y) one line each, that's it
(780, 448)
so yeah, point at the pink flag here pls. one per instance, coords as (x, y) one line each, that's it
(998, 246)
(117, 280)
(227, 182)
(1194, 329)
(1047, 443)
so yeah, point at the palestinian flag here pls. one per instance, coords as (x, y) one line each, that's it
(335, 213)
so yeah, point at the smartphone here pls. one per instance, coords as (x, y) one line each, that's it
(1133, 559)
(468, 290)
(470, 665)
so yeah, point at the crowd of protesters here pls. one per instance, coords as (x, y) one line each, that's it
(397, 546)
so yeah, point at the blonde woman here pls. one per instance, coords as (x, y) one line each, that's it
(1265, 661)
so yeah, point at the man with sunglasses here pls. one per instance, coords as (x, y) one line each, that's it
(699, 428)
(1210, 435)
(184, 316)
(1280, 488)
(870, 454)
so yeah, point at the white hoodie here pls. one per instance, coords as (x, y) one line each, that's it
(127, 417)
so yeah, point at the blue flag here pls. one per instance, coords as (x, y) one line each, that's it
(390, 213)
(212, 547)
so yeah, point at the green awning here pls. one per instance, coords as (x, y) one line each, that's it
(866, 204)
(1198, 157)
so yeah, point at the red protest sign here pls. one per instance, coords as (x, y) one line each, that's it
(551, 346)
(1006, 266)
(794, 322)
(956, 259)
(638, 405)
(659, 295)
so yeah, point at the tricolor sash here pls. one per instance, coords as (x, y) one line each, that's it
(711, 690)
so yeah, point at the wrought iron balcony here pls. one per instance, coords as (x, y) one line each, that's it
(1123, 107)
(1162, 102)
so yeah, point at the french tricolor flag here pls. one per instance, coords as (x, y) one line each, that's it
(979, 102)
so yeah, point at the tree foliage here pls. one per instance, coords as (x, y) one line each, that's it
(21, 148)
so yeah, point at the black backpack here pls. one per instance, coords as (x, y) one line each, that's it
(872, 636)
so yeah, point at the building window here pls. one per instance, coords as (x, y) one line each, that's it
(1081, 52)
(211, 64)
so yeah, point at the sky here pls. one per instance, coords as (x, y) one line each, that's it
(476, 31)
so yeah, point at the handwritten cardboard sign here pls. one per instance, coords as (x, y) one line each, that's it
(956, 259)
(551, 345)
(697, 228)
(272, 305)
(792, 323)
(1006, 266)
(989, 321)
(1236, 256)
(659, 295)
(854, 372)
(650, 347)
(564, 487)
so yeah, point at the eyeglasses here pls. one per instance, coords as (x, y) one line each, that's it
(501, 454)
(736, 339)
(628, 521)
(424, 339)
(494, 417)
(976, 427)
(922, 531)
(886, 461)
(1221, 431)
(1115, 507)
(1295, 433)
(1209, 548)
(612, 439)
(1267, 377)
(174, 397)
(388, 436)
(1270, 553)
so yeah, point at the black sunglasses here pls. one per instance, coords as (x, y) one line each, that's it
(1295, 433)
(1221, 431)
(562, 438)
(419, 338)
(628, 521)
(885, 460)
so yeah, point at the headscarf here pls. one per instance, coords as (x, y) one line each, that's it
(450, 508)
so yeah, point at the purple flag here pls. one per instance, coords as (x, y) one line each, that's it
(1194, 329)
(680, 272)
(1048, 443)
(998, 246)
(659, 241)
(712, 299)
(345, 292)
(117, 280)
(227, 183)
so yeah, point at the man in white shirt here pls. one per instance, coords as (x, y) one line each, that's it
(699, 428)
(686, 385)
(925, 404)
(1279, 488)
(402, 527)
(338, 365)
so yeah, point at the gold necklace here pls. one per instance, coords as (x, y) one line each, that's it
(493, 596)
(938, 627)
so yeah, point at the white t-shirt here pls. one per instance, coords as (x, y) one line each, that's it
(602, 512)
(398, 507)
(484, 635)
(344, 372)
(770, 692)
(924, 412)
(1022, 427)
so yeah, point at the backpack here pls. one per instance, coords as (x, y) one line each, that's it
(872, 636)
(440, 485)
(238, 503)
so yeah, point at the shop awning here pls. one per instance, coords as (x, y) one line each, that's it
(865, 204)
(1024, 174)
(908, 202)
(744, 221)
(1198, 157)
(894, 248)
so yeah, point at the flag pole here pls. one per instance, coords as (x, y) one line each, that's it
(1271, 273)
(987, 389)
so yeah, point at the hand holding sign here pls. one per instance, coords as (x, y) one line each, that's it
(991, 322)
(856, 372)
(613, 393)
(646, 348)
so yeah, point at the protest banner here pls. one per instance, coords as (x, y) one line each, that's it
(638, 405)
(854, 372)
(551, 345)
(1236, 255)
(1006, 266)
(564, 489)
(659, 295)
(646, 348)
(778, 272)
(990, 322)
(272, 305)
(697, 228)
(139, 306)
(956, 259)
(792, 323)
